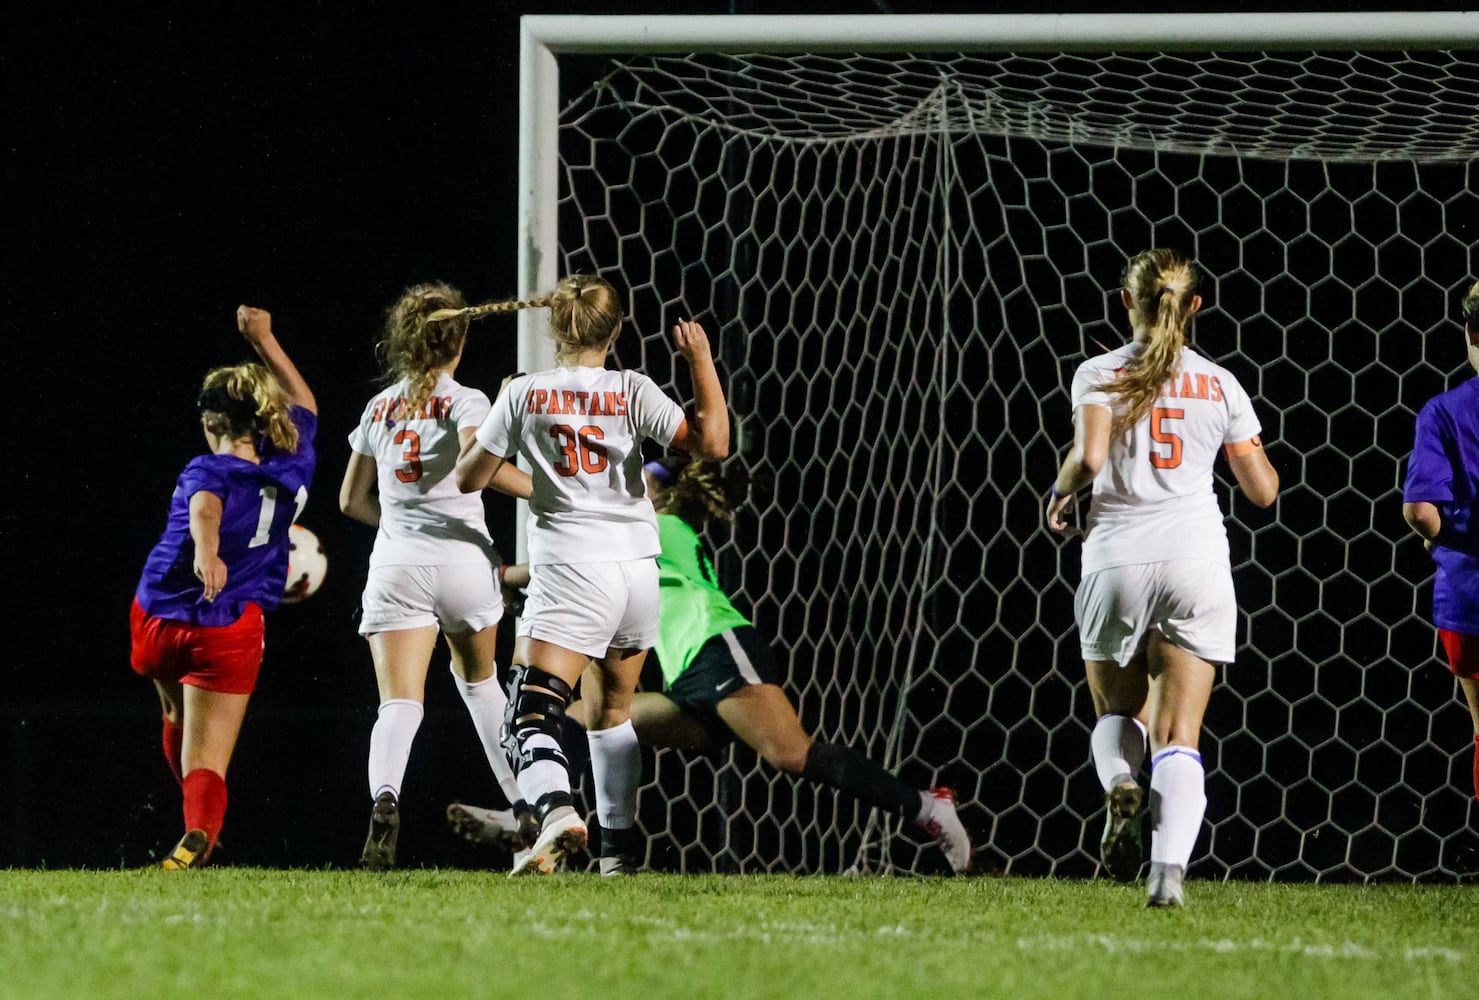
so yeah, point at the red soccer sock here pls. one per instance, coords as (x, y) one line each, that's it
(205, 802)
(172, 738)
(1476, 767)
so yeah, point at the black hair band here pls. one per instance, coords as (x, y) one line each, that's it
(218, 400)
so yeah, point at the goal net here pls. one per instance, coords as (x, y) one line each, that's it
(904, 258)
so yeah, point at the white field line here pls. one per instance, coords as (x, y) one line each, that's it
(831, 934)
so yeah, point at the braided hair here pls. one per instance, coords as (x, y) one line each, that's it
(698, 492)
(585, 313)
(415, 347)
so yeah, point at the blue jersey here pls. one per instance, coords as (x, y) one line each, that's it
(1444, 471)
(258, 505)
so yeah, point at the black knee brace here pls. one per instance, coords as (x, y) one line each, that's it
(536, 704)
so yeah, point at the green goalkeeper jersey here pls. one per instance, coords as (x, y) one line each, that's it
(694, 609)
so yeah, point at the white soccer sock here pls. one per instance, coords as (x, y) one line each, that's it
(1178, 800)
(1118, 745)
(926, 807)
(486, 701)
(616, 766)
(390, 744)
(539, 778)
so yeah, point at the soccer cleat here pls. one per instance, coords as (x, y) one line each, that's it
(506, 829)
(385, 825)
(945, 827)
(190, 852)
(1164, 886)
(563, 833)
(620, 849)
(618, 864)
(1122, 848)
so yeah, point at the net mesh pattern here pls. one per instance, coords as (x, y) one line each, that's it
(904, 260)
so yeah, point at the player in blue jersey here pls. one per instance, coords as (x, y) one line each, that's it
(196, 621)
(1440, 500)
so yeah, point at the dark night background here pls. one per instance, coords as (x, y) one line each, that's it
(160, 169)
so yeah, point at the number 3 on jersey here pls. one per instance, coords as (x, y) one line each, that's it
(579, 451)
(1160, 416)
(412, 456)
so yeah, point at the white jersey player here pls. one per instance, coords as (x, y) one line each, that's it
(425, 520)
(434, 566)
(1158, 471)
(592, 596)
(1155, 607)
(582, 428)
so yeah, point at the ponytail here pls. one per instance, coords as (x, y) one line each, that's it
(1162, 286)
(585, 313)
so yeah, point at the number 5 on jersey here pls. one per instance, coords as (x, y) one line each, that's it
(579, 450)
(1160, 416)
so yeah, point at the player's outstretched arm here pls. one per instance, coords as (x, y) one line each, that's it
(1256, 476)
(707, 436)
(256, 326)
(1085, 458)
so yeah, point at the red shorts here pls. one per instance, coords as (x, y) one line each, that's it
(224, 658)
(1463, 653)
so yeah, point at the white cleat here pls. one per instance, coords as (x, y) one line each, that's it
(945, 827)
(1163, 887)
(563, 833)
(501, 828)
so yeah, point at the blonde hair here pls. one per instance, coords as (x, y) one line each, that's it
(1162, 285)
(415, 346)
(1471, 308)
(248, 399)
(697, 492)
(585, 312)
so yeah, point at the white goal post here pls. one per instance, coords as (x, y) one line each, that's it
(907, 220)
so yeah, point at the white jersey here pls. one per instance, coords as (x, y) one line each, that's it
(1153, 499)
(424, 519)
(581, 430)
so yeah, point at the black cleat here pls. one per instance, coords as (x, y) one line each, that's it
(385, 824)
(190, 852)
(1122, 849)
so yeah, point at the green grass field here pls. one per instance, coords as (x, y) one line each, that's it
(240, 932)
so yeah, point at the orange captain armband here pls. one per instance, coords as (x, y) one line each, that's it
(1238, 449)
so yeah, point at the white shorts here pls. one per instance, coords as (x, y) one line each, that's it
(461, 598)
(1189, 601)
(592, 607)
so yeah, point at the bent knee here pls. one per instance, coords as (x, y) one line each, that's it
(789, 757)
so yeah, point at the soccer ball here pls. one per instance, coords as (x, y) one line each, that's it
(307, 565)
